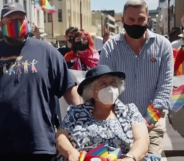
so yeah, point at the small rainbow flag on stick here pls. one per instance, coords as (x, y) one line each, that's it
(177, 99)
(100, 151)
(45, 6)
(152, 115)
(114, 155)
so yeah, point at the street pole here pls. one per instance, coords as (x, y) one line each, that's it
(168, 16)
(52, 24)
(80, 15)
(102, 24)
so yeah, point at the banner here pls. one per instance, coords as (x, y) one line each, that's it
(176, 113)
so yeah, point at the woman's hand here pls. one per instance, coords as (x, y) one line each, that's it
(73, 155)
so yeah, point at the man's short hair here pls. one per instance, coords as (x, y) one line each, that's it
(136, 4)
(70, 30)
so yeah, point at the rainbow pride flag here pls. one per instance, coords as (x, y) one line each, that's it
(177, 99)
(113, 156)
(152, 115)
(45, 6)
(100, 150)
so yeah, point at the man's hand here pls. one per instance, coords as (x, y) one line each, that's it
(36, 31)
(150, 127)
(73, 155)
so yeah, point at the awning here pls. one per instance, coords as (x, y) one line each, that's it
(43, 34)
(111, 18)
(92, 33)
(60, 38)
(110, 25)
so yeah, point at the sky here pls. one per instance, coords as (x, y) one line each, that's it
(117, 5)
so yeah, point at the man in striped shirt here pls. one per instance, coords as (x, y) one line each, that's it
(147, 60)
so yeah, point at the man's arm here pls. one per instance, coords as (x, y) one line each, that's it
(71, 96)
(165, 79)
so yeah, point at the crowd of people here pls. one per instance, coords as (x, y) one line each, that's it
(133, 70)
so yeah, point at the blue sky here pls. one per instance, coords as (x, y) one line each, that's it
(117, 5)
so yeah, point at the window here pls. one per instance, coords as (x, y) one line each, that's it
(59, 15)
(49, 17)
(25, 5)
(5, 1)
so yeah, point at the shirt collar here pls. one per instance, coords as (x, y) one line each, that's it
(118, 107)
(120, 37)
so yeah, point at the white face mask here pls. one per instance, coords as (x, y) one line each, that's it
(108, 95)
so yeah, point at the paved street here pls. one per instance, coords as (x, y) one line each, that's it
(173, 144)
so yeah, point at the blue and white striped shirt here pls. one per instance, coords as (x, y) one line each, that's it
(146, 80)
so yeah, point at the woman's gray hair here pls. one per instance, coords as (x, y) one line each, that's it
(135, 3)
(88, 90)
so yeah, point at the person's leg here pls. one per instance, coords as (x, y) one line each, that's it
(156, 137)
(26, 157)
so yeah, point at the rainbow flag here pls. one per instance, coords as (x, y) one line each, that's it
(177, 99)
(45, 6)
(113, 156)
(100, 150)
(152, 115)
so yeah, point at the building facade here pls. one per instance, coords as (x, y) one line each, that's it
(104, 22)
(179, 10)
(163, 18)
(34, 16)
(75, 13)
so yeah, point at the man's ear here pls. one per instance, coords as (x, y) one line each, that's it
(149, 18)
(66, 38)
(1, 24)
(122, 19)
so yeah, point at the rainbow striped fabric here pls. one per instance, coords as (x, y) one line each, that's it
(45, 6)
(177, 99)
(101, 151)
(152, 115)
(17, 29)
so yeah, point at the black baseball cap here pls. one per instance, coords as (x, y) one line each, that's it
(70, 30)
(10, 8)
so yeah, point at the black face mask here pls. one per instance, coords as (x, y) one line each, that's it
(81, 45)
(14, 41)
(135, 31)
(70, 39)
